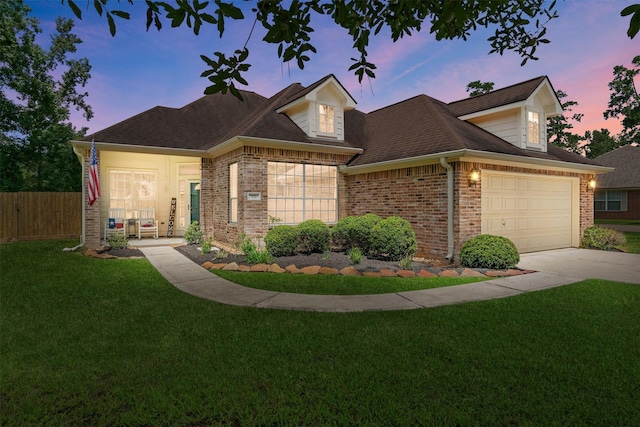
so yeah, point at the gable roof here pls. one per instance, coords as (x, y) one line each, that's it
(305, 91)
(193, 127)
(626, 160)
(423, 126)
(420, 126)
(513, 94)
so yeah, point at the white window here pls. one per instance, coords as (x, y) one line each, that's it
(326, 119)
(233, 192)
(132, 190)
(533, 127)
(297, 192)
(609, 200)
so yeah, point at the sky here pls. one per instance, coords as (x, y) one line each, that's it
(137, 70)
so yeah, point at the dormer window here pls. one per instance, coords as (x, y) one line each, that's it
(533, 127)
(326, 119)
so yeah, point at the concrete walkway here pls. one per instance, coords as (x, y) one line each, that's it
(554, 268)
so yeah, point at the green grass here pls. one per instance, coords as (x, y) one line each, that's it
(339, 285)
(633, 243)
(109, 342)
(617, 221)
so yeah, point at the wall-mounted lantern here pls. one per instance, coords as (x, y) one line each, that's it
(474, 177)
(591, 185)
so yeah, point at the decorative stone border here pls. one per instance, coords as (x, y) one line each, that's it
(351, 271)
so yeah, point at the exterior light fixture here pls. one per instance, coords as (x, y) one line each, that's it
(474, 177)
(591, 185)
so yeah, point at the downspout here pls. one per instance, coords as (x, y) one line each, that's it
(80, 157)
(449, 168)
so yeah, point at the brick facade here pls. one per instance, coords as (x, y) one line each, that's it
(418, 194)
(252, 177)
(632, 212)
(92, 221)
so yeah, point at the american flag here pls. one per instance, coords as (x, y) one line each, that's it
(94, 177)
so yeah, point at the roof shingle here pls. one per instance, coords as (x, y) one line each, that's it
(626, 160)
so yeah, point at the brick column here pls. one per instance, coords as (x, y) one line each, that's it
(92, 213)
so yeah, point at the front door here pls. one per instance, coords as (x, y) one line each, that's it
(195, 201)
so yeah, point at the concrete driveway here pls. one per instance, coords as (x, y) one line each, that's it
(585, 264)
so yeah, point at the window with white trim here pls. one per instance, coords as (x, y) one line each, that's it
(233, 192)
(326, 119)
(610, 200)
(132, 190)
(533, 127)
(298, 192)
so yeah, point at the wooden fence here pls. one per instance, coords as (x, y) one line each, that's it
(34, 216)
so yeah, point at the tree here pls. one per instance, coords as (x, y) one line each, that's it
(600, 142)
(519, 26)
(634, 23)
(39, 87)
(624, 100)
(479, 88)
(558, 127)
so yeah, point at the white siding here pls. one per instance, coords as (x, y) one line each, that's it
(503, 125)
(300, 117)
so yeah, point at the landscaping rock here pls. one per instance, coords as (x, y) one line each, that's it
(244, 268)
(387, 272)
(293, 269)
(328, 270)
(261, 268)
(467, 272)
(405, 273)
(275, 268)
(371, 274)
(314, 269)
(207, 265)
(426, 274)
(349, 271)
(448, 273)
(232, 266)
(496, 273)
(514, 272)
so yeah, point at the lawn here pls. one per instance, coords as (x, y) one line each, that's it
(339, 285)
(109, 342)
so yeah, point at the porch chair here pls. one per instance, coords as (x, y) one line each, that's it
(147, 223)
(115, 222)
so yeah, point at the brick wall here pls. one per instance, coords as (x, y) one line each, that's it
(419, 194)
(252, 177)
(92, 213)
(632, 212)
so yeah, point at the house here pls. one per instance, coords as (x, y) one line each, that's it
(478, 165)
(617, 194)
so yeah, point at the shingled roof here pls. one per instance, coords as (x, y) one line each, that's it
(422, 126)
(505, 96)
(419, 126)
(626, 160)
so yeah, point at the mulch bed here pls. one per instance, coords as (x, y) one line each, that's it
(337, 260)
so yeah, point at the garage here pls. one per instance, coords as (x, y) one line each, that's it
(537, 212)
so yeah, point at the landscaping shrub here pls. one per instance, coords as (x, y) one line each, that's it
(253, 254)
(602, 238)
(314, 236)
(355, 255)
(354, 232)
(489, 251)
(206, 247)
(393, 238)
(282, 240)
(193, 233)
(117, 241)
(340, 233)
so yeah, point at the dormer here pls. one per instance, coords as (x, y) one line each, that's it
(319, 109)
(518, 114)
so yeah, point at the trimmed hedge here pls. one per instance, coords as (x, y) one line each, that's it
(602, 238)
(314, 236)
(354, 232)
(282, 240)
(393, 238)
(489, 251)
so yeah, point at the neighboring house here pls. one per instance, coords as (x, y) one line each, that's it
(308, 153)
(617, 194)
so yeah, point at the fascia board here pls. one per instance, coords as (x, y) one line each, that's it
(240, 141)
(106, 146)
(500, 109)
(479, 157)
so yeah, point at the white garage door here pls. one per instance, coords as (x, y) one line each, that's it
(536, 212)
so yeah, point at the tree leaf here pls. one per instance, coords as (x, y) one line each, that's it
(75, 9)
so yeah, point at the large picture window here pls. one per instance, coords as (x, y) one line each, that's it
(233, 192)
(298, 192)
(132, 190)
(610, 200)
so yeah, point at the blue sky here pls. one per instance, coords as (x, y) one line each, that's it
(137, 70)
